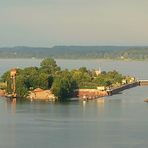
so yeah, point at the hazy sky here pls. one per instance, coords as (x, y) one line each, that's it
(73, 22)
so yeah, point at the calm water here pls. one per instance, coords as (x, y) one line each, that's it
(121, 122)
(138, 68)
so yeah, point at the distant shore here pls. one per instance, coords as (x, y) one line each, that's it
(90, 59)
(77, 52)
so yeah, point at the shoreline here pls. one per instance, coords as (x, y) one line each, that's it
(92, 94)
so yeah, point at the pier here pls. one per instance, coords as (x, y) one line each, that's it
(128, 86)
(123, 87)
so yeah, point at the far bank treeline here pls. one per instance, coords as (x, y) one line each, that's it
(78, 52)
(62, 83)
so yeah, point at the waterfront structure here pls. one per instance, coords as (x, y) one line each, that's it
(40, 94)
(89, 94)
(13, 82)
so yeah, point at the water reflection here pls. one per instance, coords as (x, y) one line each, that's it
(100, 101)
(84, 103)
(100, 104)
(10, 105)
(7, 123)
(13, 106)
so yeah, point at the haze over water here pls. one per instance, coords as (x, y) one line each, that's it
(120, 122)
(73, 22)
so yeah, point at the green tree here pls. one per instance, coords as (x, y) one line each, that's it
(48, 65)
(63, 87)
(21, 88)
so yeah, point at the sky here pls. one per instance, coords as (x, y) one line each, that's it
(48, 23)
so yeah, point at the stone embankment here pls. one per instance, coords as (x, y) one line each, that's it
(90, 94)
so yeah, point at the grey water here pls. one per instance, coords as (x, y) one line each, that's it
(120, 122)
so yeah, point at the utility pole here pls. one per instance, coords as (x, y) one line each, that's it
(13, 82)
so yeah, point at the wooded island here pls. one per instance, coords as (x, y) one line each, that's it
(61, 83)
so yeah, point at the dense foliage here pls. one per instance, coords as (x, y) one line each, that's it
(61, 82)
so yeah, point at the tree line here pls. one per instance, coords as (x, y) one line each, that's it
(77, 52)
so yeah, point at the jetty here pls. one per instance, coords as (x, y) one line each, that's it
(122, 88)
(90, 94)
(128, 86)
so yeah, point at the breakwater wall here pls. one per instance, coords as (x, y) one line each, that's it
(123, 87)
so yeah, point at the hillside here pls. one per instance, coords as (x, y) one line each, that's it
(76, 52)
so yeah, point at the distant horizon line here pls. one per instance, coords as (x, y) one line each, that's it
(30, 46)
